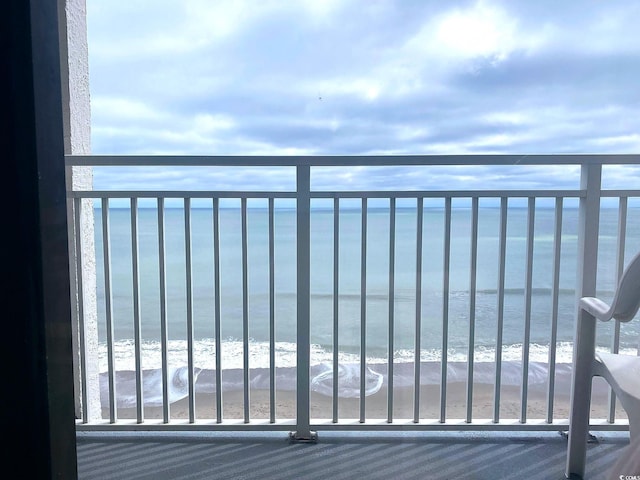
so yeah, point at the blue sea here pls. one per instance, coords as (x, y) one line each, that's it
(377, 292)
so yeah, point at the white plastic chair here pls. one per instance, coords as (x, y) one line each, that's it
(622, 372)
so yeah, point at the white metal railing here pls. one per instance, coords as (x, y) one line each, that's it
(588, 194)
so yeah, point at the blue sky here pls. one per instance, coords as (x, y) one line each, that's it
(347, 77)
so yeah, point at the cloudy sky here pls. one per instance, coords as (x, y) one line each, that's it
(357, 77)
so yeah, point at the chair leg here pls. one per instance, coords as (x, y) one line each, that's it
(634, 428)
(628, 463)
(583, 358)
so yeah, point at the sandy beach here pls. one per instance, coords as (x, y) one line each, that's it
(376, 405)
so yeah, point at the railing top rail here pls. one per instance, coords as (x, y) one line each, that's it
(351, 160)
(329, 194)
(179, 194)
(619, 193)
(446, 193)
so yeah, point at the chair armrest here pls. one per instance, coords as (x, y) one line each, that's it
(597, 308)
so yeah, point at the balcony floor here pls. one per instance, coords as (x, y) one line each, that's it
(337, 456)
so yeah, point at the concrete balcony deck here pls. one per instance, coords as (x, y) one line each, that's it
(395, 455)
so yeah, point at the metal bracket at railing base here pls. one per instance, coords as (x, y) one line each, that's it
(295, 438)
(591, 438)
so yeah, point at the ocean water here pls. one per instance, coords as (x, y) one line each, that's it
(349, 318)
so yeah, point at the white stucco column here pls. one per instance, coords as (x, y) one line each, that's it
(77, 130)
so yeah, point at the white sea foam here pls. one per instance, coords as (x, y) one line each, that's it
(232, 357)
(178, 386)
(348, 381)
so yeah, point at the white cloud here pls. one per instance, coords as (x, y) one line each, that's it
(618, 143)
(208, 124)
(620, 176)
(507, 118)
(483, 30)
(457, 37)
(118, 108)
(214, 21)
(323, 10)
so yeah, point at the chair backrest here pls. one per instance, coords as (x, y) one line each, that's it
(627, 298)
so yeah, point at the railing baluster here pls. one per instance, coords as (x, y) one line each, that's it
(528, 287)
(392, 294)
(272, 315)
(363, 311)
(162, 259)
(472, 305)
(189, 291)
(418, 325)
(502, 247)
(217, 319)
(336, 303)
(245, 312)
(555, 289)
(108, 300)
(84, 379)
(445, 309)
(615, 344)
(137, 327)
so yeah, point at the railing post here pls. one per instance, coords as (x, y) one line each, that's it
(303, 431)
(584, 340)
(84, 308)
(588, 229)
